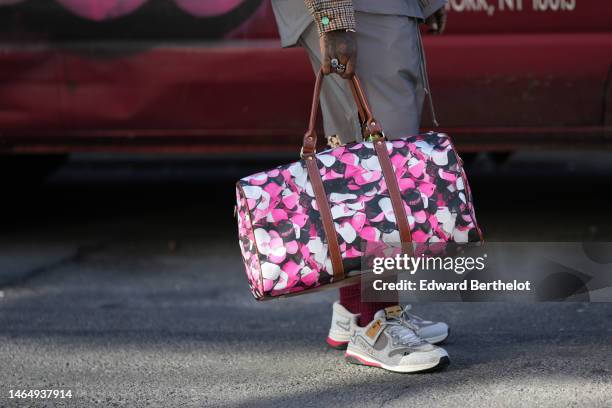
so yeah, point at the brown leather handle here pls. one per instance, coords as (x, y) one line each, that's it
(370, 125)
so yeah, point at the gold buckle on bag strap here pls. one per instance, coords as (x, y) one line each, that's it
(375, 137)
(305, 156)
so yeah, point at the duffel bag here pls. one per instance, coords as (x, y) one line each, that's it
(304, 225)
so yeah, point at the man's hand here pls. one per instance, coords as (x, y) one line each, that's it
(342, 46)
(437, 21)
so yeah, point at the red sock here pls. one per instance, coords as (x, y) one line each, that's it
(368, 310)
(350, 298)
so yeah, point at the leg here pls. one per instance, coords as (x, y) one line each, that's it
(394, 90)
(350, 298)
(388, 65)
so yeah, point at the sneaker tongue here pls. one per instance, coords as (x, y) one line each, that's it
(390, 312)
(393, 312)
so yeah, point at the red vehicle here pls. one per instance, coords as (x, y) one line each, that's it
(210, 76)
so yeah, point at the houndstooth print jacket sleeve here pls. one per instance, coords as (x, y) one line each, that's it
(294, 16)
(331, 15)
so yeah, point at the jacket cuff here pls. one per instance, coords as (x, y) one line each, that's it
(332, 15)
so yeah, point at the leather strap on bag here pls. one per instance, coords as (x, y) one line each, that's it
(309, 142)
(308, 154)
(369, 128)
(397, 203)
(326, 216)
(373, 131)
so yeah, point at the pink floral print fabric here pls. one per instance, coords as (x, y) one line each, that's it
(282, 239)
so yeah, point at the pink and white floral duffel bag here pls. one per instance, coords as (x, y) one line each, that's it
(304, 225)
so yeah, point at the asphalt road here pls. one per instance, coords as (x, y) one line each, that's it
(122, 282)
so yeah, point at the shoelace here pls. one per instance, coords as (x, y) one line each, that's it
(409, 317)
(402, 333)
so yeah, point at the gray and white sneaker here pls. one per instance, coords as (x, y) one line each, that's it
(432, 332)
(342, 325)
(389, 342)
(343, 322)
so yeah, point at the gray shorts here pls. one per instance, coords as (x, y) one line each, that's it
(389, 68)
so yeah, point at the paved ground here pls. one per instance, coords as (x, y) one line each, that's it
(123, 283)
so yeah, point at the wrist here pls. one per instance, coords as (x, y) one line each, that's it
(342, 31)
